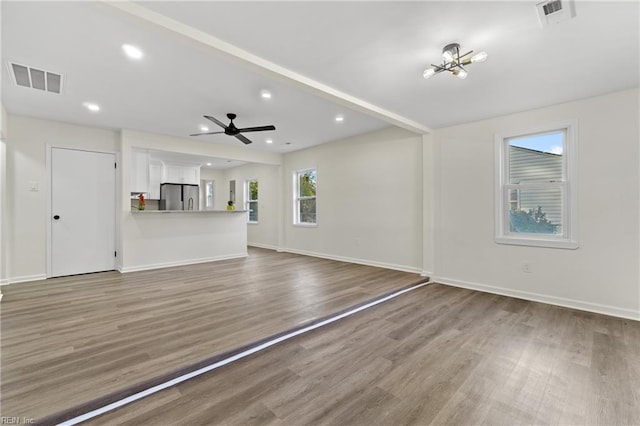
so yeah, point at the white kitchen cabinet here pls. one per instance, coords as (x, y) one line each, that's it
(173, 173)
(155, 176)
(191, 175)
(140, 172)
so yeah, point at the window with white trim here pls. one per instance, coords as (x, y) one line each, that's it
(536, 187)
(251, 197)
(305, 188)
(208, 195)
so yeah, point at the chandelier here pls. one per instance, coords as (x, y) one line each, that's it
(454, 62)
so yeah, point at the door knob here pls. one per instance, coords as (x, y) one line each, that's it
(56, 217)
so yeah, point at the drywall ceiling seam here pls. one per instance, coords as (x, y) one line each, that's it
(314, 86)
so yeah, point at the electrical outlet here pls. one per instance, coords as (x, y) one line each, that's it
(33, 186)
(526, 267)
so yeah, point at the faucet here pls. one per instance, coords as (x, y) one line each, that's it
(190, 204)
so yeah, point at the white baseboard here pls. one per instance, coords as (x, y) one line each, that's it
(264, 246)
(181, 263)
(543, 298)
(24, 279)
(402, 268)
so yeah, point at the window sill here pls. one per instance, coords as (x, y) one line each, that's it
(538, 242)
(306, 225)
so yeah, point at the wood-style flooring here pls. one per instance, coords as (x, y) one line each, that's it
(437, 355)
(66, 341)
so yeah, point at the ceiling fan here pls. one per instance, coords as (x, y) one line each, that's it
(232, 130)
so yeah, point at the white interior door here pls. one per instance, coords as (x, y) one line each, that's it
(83, 196)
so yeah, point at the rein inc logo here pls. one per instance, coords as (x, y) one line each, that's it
(6, 420)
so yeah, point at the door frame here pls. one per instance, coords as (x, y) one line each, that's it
(49, 195)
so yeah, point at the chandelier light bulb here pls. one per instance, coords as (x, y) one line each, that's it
(479, 57)
(428, 72)
(462, 74)
(450, 51)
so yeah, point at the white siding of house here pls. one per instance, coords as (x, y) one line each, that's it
(530, 166)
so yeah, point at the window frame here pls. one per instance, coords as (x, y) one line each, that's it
(248, 200)
(209, 184)
(568, 187)
(297, 198)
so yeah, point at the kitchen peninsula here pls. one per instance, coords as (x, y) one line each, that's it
(163, 238)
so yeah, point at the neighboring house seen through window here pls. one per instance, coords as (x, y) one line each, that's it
(536, 187)
(305, 185)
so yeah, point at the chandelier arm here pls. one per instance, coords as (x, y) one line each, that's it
(468, 53)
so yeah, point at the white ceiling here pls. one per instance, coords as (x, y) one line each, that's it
(360, 59)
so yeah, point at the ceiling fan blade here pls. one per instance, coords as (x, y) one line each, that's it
(243, 139)
(215, 120)
(257, 129)
(208, 133)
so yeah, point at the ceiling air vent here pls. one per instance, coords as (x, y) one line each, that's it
(555, 11)
(36, 78)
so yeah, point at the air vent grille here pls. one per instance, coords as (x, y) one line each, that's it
(36, 78)
(555, 11)
(552, 7)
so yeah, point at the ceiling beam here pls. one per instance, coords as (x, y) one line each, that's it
(274, 69)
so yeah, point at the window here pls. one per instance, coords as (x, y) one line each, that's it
(536, 187)
(251, 196)
(305, 186)
(208, 194)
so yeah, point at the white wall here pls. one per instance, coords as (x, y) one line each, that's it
(3, 197)
(602, 275)
(265, 232)
(369, 201)
(25, 209)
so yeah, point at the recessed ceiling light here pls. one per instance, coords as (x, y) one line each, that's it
(265, 94)
(91, 106)
(269, 141)
(339, 118)
(132, 51)
(204, 128)
(208, 164)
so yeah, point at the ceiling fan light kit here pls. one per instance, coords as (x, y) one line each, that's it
(454, 62)
(232, 130)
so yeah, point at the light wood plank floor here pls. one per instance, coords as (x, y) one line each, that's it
(437, 355)
(69, 340)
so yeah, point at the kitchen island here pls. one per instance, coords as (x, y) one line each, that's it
(162, 238)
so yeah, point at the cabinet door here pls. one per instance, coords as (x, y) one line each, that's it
(191, 175)
(140, 172)
(173, 174)
(155, 171)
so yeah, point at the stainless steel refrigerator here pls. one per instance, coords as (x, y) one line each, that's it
(174, 196)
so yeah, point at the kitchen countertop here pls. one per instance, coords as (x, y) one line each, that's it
(186, 211)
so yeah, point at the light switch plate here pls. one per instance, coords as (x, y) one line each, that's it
(33, 186)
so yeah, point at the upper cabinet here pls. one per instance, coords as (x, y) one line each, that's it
(155, 176)
(174, 173)
(140, 172)
(149, 170)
